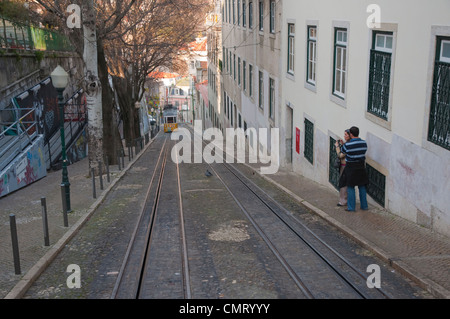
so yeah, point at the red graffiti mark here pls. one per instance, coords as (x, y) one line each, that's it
(29, 174)
(408, 169)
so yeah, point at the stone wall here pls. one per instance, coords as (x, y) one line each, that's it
(20, 70)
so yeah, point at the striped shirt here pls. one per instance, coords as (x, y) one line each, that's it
(355, 150)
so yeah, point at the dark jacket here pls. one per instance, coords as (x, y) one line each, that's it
(354, 174)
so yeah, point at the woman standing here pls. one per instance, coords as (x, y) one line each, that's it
(342, 182)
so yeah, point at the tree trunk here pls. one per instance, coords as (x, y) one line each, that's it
(112, 142)
(130, 115)
(93, 88)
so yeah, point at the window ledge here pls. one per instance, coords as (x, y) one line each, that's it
(290, 76)
(338, 100)
(310, 86)
(379, 121)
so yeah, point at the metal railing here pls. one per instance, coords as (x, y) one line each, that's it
(16, 135)
(75, 119)
(14, 35)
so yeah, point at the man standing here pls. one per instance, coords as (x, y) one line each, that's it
(355, 170)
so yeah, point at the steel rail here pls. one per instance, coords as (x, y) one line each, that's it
(149, 233)
(330, 264)
(138, 224)
(286, 212)
(185, 259)
(297, 279)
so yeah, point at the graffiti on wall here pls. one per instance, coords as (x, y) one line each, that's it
(78, 150)
(24, 170)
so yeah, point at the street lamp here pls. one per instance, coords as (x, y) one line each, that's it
(60, 78)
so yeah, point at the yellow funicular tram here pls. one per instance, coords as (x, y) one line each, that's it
(170, 114)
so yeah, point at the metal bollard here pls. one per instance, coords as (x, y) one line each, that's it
(15, 243)
(118, 161)
(123, 158)
(45, 221)
(63, 197)
(93, 182)
(107, 170)
(100, 174)
(129, 153)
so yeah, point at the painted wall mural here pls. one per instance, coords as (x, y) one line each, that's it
(26, 169)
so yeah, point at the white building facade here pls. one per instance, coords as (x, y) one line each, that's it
(384, 68)
(214, 112)
(250, 77)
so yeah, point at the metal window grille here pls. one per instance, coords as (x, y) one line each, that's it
(379, 83)
(309, 141)
(333, 172)
(439, 123)
(377, 185)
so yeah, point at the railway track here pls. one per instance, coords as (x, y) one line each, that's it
(156, 264)
(343, 269)
(137, 276)
(269, 211)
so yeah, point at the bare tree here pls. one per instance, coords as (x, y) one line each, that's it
(151, 37)
(127, 39)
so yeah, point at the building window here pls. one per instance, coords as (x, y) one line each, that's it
(291, 48)
(309, 141)
(231, 66)
(228, 107)
(250, 80)
(272, 16)
(225, 11)
(261, 15)
(244, 14)
(225, 102)
(238, 12)
(312, 55)
(377, 185)
(231, 106)
(223, 56)
(234, 66)
(340, 62)
(272, 98)
(239, 71)
(261, 90)
(250, 14)
(380, 74)
(439, 122)
(234, 12)
(244, 75)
